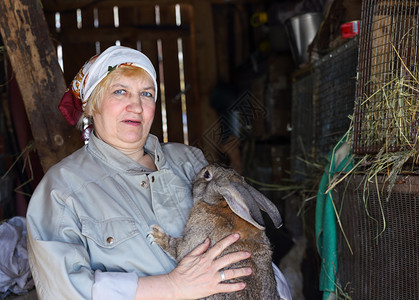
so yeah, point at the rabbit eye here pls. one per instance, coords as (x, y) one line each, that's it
(207, 175)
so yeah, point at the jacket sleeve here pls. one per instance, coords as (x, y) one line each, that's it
(114, 286)
(281, 284)
(58, 255)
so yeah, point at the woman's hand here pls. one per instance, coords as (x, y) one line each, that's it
(198, 274)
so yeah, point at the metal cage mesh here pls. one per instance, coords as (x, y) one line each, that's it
(302, 126)
(384, 237)
(334, 95)
(386, 112)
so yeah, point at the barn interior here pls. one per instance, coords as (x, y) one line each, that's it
(314, 102)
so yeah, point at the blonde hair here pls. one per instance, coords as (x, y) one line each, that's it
(96, 97)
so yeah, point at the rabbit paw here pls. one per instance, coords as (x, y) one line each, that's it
(159, 236)
(162, 239)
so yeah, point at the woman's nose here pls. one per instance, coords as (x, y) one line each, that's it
(135, 105)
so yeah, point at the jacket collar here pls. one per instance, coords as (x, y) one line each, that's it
(117, 160)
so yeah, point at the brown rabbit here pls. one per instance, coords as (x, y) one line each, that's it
(224, 204)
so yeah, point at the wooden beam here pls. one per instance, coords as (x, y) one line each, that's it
(26, 38)
(111, 34)
(204, 39)
(65, 5)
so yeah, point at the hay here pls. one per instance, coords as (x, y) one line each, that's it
(390, 116)
(389, 121)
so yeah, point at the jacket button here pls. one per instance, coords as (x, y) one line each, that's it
(109, 240)
(152, 178)
(143, 183)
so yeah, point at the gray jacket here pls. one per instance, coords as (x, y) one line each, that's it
(93, 212)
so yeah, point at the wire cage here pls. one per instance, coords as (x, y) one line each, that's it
(302, 125)
(383, 236)
(386, 112)
(334, 95)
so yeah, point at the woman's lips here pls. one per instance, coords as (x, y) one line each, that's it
(132, 122)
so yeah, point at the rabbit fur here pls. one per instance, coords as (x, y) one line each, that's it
(224, 204)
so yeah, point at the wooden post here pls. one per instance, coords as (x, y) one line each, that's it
(203, 36)
(26, 38)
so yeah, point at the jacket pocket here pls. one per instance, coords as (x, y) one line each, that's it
(109, 233)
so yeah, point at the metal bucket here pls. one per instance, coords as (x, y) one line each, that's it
(301, 31)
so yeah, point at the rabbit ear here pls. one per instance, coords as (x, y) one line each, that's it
(246, 202)
(236, 197)
(266, 205)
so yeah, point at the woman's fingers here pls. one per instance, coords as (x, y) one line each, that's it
(231, 274)
(230, 287)
(221, 245)
(198, 274)
(234, 273)
(231, 258)
(201, 249)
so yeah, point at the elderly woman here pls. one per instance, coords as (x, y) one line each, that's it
(89, 219)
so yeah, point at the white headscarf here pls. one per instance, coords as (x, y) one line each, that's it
(94, 70)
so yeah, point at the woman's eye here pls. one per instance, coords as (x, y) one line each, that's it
(146, 94)
(119, 92)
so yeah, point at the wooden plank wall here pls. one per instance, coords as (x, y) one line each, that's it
(41, 84)
(138, 28)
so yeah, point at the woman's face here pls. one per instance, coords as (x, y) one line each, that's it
(125, 114)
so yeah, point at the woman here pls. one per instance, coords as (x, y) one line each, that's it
(89, 218)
